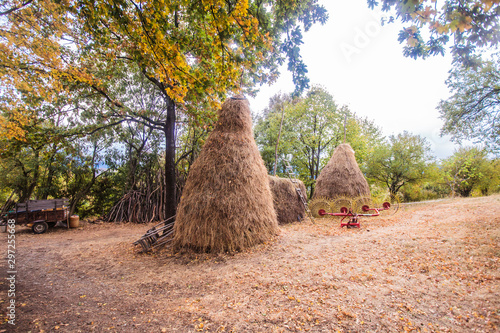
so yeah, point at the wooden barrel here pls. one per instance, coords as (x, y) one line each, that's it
(74, 221)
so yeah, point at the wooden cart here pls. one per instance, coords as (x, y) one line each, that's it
(40, 214)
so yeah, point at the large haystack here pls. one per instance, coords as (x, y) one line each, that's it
(341, 176)
(227, 204)
(287, 203)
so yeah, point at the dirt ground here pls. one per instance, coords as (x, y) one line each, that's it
(433, 267)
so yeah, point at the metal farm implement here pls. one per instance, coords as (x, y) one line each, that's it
(353, 221)
(351, 210)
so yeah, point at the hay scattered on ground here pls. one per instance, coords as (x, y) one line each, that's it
(341, 176)
(287, 204)
(227, 204)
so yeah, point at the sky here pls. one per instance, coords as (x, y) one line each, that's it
(361, 63)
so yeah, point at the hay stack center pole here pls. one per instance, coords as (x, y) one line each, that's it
(291, 175)
(278, 141)
(345, 128)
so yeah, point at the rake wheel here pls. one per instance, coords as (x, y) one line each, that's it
(319, 204)
(391, 203)
(359, 204)
(342, 205)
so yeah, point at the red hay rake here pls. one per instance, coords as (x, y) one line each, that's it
(353, 217)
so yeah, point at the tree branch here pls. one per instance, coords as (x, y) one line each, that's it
(13, 9)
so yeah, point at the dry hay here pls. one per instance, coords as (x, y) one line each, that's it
(287, 204)
(227, 204)
(341, 176)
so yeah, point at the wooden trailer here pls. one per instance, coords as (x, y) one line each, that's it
(40, 214)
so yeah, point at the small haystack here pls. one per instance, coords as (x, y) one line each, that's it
(287, 204)
(341, 176)
(227, 204)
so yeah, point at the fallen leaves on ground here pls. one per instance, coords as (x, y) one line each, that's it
(433, 267)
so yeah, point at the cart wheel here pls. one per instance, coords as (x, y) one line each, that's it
(39, 227)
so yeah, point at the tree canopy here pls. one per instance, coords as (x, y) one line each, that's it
(402, 160)
(78, 53)
(473, 25)
(465, 169)
(473, 110)
(201, 48)
(313, 126)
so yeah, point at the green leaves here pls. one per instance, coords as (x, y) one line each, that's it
(313, 126)
(465, 169)
(402, 160)
(473, 111)
(473, 25)
(89, 63)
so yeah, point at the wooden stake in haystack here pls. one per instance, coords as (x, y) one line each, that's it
(341, 176)
(287, 203)
(227, 204)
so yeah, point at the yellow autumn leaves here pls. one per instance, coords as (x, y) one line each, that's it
(445, 23)
(42, 58)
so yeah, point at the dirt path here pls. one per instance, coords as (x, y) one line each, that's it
(432, 268)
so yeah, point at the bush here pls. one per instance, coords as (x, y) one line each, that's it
(423, 192)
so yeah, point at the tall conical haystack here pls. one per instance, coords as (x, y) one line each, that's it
(227, 204)
(341, 176)
(287, 204)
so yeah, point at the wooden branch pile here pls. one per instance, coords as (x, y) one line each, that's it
(138, 207)
(160, 235)
(142, 205)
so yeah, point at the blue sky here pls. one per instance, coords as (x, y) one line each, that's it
(362, 65)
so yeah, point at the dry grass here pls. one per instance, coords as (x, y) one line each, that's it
(341, 176)
(432, 268)
(287, 204)
(227, 204)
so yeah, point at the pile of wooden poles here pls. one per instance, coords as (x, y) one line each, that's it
(144, 204)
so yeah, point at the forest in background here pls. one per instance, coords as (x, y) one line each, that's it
(106, 172)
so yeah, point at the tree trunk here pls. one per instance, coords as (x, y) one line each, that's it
(80, 195)
(278, 141)
(170, 203)
(169, 198)
(31, 185)
(46, 190)
(85, 190)
(48, 183)
(132, 168)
